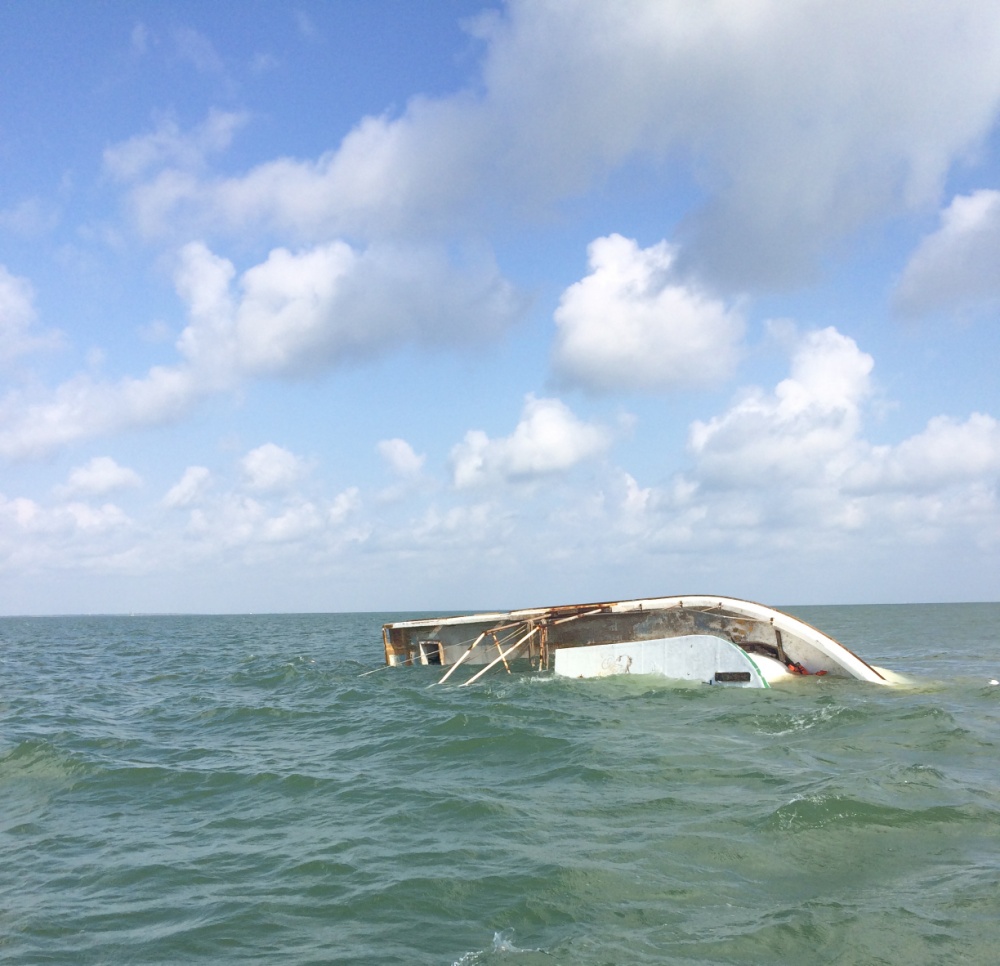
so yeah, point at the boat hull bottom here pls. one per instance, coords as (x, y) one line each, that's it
(695, 657)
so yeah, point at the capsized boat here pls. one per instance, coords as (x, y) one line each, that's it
(717, 640)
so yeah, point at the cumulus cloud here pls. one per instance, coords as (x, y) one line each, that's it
(956, 267)
(274, 517)
(73, 535)
(33, 424)
(18, 334)
(408, 177)
(299, 312)
(401, 458)
(64, 520)
(294, 314)
(806, 120)
(471, 533)
(631, 325)
(292, 523)
(189, 488)
(270, 468)
(343, 505)
(548, 439)
(793, 468)
(265, 511)
(804, 430)
(99, 476)
(946, 453)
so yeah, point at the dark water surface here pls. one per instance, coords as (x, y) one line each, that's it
(230, 790)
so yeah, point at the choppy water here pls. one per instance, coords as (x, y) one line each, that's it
(230, 790)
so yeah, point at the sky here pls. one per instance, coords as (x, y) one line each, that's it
(380, 305)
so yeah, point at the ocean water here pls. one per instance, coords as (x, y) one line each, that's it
(233, 790)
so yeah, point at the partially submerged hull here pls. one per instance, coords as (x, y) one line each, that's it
(718, 640)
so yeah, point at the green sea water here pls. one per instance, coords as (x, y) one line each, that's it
(231, 790)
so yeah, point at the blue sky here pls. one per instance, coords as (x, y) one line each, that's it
(396, 306)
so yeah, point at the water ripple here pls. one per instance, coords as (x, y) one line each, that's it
(230, 790)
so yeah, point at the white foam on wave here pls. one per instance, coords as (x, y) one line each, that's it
(503, 942)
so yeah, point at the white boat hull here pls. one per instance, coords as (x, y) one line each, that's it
(695, 657)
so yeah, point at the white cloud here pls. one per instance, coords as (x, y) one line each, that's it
(271, 468)
(300, 312)
(401, 458)
(203, 281)
(189, 489)
(98, 519)
(630, 325)
(68, 519)
(958, 266)
(292, 523)
(198, 50)
(549, 439)
(17, 319)
(169, 146)
(804, 430)
(31, 218)
(68, 537)
(276, 519)
(403, 178)
(948, 452)
(792, 470)
(100, 476)
(292, 315)
(288, 310)
(470, 532)
(83, 407)
(761, 129)
(344, 504)
(806, 120)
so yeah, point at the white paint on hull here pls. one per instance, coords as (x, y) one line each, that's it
(694, 657)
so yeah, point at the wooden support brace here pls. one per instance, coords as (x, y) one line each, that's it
(502, 658)
(503, 654)
(451, 670)
(573, 617)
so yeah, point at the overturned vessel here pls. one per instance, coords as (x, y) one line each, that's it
(717, 640)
